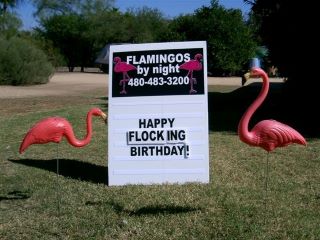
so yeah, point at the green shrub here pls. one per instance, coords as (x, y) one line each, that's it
(9, 24)
(21, 63)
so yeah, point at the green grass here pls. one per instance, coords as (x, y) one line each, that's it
(232, 206)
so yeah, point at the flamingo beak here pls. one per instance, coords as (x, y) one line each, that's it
(104, 117)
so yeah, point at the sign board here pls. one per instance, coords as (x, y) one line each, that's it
(158, 113)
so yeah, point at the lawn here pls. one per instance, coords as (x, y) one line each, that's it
(36, 203)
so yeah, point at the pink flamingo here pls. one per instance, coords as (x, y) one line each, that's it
(52, 129)
(267, 134)
(124, 68)
(192, 65)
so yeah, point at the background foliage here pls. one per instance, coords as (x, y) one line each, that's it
(22, 63)
(288, 29)
(230, 40)
(73, 32)
(89, 27)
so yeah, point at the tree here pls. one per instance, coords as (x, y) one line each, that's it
(67, 32)
(230, 40)
(134, 26)
(68, 25)
(107, 26)
(146, 25)
(80, 29)
(22, 63)
(47, 8)
(276, 22)
(288, 28)
(5, 4)
(9, 24)
(53, 53)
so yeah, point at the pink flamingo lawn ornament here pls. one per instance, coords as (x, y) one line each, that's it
(52, 129)
(267, 134)
(124, 68)
(192, 65)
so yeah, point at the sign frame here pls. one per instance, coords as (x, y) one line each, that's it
(158, 130)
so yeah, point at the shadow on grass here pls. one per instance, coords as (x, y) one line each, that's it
(226, 109)
(75, 169)
(15, 195)
(148, 210)
(103, 103)
(162, 210)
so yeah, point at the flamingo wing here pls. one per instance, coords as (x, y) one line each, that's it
(191, 65)
(46, 130)
(185, 66)
(124, 67)
(272, 134)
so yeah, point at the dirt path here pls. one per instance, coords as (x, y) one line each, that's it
(69, 84)
(73, 84)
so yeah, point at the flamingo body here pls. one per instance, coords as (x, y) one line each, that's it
(267, 134)
(122, 66)
(53, 129)
(270, 134)
(193, 64)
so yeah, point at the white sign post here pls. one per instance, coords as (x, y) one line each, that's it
(158, 113)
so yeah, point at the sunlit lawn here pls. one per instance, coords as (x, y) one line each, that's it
(36, 203)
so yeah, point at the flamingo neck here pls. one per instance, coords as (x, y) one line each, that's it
(81, 142)
(243, 126)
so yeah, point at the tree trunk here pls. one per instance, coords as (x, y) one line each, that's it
(71, 68)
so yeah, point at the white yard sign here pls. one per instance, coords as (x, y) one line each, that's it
(158, 114)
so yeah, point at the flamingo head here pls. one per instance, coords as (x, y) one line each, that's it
(256, 72)
(198, 56)
(117, 59)
(99, 112)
